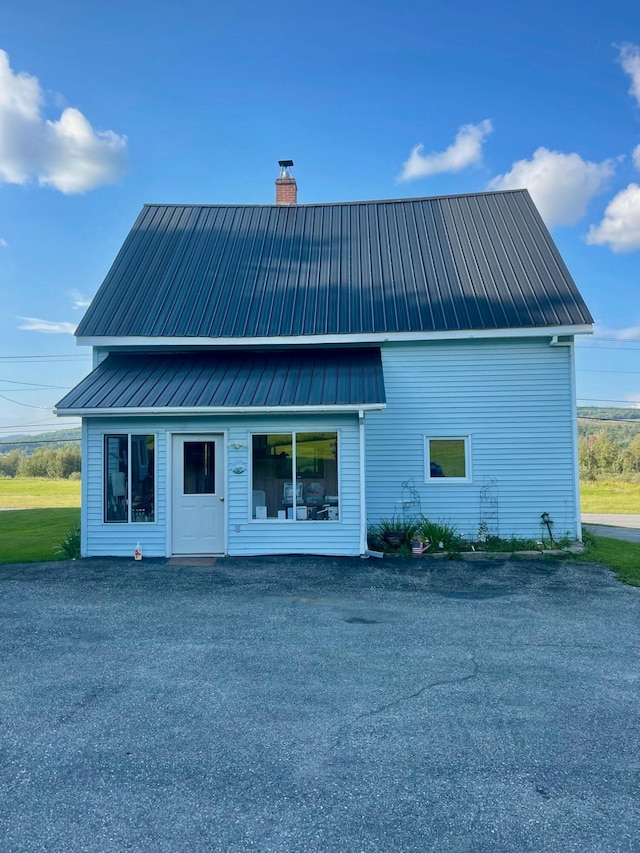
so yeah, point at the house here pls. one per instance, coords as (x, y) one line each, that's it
(273, 378)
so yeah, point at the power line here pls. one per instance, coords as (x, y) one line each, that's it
(28, 405)
(602, 400)
(42, 357)
(617, 340)
(32, 384)
(618, 372)
(594, 347)
(610, 420)
(37, 441)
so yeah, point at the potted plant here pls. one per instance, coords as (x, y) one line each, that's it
(419, 545)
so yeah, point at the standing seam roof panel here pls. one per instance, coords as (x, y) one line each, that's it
(441, 264)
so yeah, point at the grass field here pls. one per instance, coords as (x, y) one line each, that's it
(622, 557)
(32, 535)
(33, 493)
(37, 493)
(607, 497)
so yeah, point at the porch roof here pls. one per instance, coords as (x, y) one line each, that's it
(208, 381)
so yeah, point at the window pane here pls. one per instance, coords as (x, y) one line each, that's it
(116, 477)
(447, 457)
(142, 478)
(317, 473)
(273, 491)
(199, 467)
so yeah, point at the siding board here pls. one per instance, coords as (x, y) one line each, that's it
(244, 536)
(513, 398)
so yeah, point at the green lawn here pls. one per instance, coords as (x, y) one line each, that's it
(38, 493)
(32, 535)
(622, 557)
(610, 497)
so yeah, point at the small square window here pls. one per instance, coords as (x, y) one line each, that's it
(447, 459)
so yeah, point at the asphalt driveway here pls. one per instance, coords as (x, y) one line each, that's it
(318, 705)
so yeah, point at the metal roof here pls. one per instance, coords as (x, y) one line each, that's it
(483, 261)
(230, 380)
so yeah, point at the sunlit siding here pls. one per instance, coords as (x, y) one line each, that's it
(310, 537)
(243, 535)
(513, 398)
(121, 539)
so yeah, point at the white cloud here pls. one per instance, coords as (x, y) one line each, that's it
(3, 243)
(465, 151)
(630, 61)
(561, 185)
(67, 154)
(630, 333)
(33, 324)
(620, 227)
(79, 299)
(635, 156)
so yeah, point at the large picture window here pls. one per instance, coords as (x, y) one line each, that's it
(295, 476)
(129, 478)
(447, 458)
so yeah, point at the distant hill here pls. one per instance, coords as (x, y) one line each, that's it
(28, 443)
(608, 413)
(621, 424)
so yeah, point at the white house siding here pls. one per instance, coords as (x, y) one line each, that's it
(244, 536)
(513, 398)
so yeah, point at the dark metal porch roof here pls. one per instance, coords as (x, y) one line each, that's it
(123, 382)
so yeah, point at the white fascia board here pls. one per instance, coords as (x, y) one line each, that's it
(328, 340)
(223, 410)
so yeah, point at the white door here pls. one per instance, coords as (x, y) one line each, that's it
(197, 511)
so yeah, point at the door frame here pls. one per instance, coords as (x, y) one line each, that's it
(196, 433)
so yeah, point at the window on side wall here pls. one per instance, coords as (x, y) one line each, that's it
(295, 476)
(129, 478)
(447, 459)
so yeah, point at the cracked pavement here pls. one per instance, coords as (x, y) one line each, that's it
(319, 704)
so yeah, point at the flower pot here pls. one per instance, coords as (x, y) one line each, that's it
(418, 547)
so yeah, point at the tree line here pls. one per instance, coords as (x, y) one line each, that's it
(609, 443)
(57, 463)
(600, 456)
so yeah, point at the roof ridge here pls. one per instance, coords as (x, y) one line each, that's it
(482, 193)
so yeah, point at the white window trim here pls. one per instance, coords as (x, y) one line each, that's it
(467, 459)
(294, 433)
(129, 520)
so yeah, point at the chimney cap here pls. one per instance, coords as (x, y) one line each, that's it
(285, 168)
(286, 187)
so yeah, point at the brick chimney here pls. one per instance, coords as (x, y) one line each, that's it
(286, 187)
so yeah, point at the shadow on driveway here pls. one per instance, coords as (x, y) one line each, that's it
(318, 704)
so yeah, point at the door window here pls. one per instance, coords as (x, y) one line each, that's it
(199, 468)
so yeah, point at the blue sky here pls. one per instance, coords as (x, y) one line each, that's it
(104, 107)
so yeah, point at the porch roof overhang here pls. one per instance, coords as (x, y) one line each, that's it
(230, 382)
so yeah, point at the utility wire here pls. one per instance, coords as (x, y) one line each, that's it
(36, 441)
(603, 400)
(610, 420)
(33, 384)
(594, 347)
(43, 357)
(28, 405)
(620, 372)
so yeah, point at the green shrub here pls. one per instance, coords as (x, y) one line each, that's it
(70, 545)
(392, 534)
(440, 532)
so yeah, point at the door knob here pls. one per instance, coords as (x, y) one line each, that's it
(221, 497)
